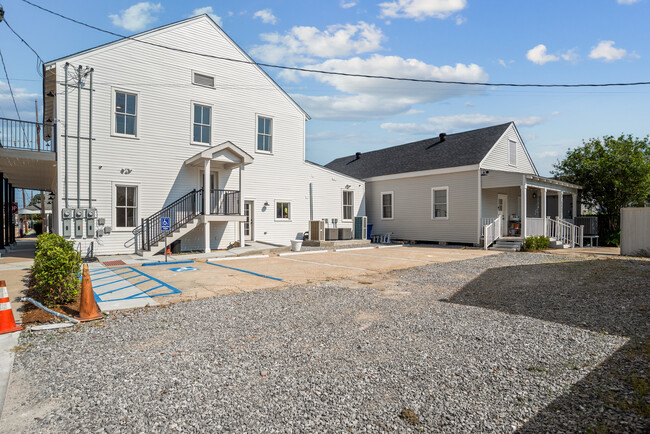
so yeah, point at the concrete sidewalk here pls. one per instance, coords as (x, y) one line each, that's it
(112, 292)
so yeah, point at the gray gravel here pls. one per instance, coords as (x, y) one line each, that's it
(490, 344)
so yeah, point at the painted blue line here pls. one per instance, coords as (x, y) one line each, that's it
(109, 283)
(245, 271)
(149, 264)
(117, 289)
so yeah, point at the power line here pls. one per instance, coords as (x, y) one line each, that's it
(11, 91)
(336, 73)
(39, 62)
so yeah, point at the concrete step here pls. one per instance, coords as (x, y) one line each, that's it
(177, 234)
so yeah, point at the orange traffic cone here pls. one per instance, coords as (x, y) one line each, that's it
(88, 311)
(7, 322)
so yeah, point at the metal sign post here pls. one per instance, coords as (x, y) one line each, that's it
(165, 226)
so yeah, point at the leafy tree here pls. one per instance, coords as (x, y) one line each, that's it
(614, 173)
(36, 199)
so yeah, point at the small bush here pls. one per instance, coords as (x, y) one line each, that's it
(38, 228)
(56, 270)
(539, 242)
(613, 240)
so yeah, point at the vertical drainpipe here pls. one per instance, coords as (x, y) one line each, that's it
(65, 68)
(90, 143)
(79, 137)
(311, 201)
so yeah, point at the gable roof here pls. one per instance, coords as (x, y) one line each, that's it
(460, 149)
(176, 23)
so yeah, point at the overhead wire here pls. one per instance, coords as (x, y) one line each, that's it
(39, 63)
(338, 73)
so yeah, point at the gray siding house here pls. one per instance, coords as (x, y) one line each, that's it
(452, 188)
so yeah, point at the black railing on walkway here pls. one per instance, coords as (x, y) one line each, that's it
(183, 211)
(27, 136)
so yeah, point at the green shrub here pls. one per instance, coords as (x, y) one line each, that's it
(539, 242)
(613, 239)
(38, 228)
(56, 270)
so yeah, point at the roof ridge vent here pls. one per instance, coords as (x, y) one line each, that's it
(358, 155)
(442, 136)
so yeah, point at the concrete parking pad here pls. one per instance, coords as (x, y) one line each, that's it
(112, 292)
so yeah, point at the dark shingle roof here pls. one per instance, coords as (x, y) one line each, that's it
(460, 149)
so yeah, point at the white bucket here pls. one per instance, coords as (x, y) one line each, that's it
(296, 245)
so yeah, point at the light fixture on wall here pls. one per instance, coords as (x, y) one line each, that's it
(266, 203)
(534, 195)
(484, 172)
(125, 171)
(347, 186)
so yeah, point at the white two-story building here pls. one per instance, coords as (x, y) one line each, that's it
(138, 128)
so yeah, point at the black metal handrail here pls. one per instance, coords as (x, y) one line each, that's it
(179, 212)
(27, 135)
(224, 202)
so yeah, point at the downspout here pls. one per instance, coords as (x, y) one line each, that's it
(311, 201)
(79, 137)
(65, 68)
(90, 143)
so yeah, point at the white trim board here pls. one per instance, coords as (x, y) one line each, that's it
(419, 173)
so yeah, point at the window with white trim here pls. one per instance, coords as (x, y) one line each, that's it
(202, 80)
(387, 205)
(512, 153)
(348, 204)
(264, 134)
(126, 206)
(283, 210)
(201, 120)
(439, 202)
(126, 113)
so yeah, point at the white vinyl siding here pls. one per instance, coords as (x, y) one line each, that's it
(512, 153)
(282, 210)
(500, 157)
(125, 112)
(439, 203)
(264, 134)
(412, 200)
(126, 206)
(387, 205)
(201, 124)
(348, 205)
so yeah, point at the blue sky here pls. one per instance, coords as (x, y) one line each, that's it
(550, 41)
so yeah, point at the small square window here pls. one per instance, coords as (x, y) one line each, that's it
(282, 210)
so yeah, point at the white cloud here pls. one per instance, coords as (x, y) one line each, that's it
(266, 15)
(539, 56)
(606, 51)
(627, 2)
(209, 11)
(460, 122)
(364, 98)
(548, 154)
(137, 17)
(460, 20)
(303, 44)
(469, 104)
(347, 4)
(421, 9)
(24, 101)
(570, 56)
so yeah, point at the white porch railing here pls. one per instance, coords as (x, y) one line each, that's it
(491, 231)
(565, 232)
(534, 226)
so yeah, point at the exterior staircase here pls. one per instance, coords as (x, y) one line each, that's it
(507, 245)
(171, 237)
(556, 244)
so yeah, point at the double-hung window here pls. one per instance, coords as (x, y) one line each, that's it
(264, 134)
(201, 122)
(126, 206)
(387, 205)
(439, 203)
(348, 205)
(282, 210)
(126, 113)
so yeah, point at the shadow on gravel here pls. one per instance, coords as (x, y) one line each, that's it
(611, 296)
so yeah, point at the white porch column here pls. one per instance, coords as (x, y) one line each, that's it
(574, 196)
(206, 204)
(523, 210)
(544, 210)
(242, 241)
(560, 204)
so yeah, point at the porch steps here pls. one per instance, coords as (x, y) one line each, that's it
(555, 244)
(177, 234)
(507, 245)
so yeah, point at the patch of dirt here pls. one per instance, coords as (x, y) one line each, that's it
(409, 415)
(34, 315)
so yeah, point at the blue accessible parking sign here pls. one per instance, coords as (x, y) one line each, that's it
(165, 224)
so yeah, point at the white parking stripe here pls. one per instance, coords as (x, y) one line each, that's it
(386, 257)
(322, 263)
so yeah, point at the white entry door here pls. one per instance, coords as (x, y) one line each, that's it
(502, 210)
(248, 223)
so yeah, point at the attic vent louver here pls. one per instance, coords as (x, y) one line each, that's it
(442, 136)
(202, 79)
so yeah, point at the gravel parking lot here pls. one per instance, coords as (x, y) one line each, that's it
(527, 342)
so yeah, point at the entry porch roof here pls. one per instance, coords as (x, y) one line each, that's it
(226, 155)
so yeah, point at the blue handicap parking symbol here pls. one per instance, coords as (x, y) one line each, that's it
(165, 223)
(181, 269)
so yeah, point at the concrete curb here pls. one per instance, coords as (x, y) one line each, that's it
(7, 343)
